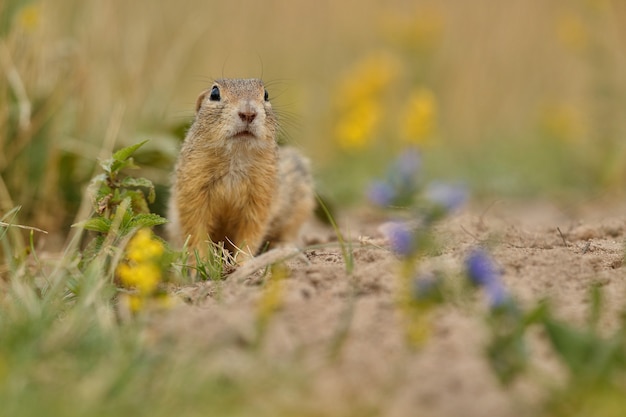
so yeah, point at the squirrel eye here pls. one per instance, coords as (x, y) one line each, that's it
(266, 97)
(215, 94)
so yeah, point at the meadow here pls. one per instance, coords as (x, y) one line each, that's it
(471, 131)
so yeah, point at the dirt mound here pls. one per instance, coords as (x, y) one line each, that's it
(341, 337)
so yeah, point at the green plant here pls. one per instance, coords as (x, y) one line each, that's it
(120, 202)
(415, 206)
(218, 263)
(595, 361)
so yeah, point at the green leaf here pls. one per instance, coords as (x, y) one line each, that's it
(151, 195)
(147, 220)
(575, 347)
(136, 182)
(97, 224)
(537, 314)
(117, 166)
(138, 201)
(508, 356)
(125, 153)
(121, 159)
(129, 215)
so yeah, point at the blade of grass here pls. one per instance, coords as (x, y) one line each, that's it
(346, 247)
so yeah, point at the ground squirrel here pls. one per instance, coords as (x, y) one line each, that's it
(232, 183)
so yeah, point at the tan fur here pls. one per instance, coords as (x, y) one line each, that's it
(232, 184)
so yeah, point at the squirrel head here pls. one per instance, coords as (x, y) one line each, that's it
(235, 111)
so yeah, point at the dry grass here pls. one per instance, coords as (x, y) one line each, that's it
(77, 74)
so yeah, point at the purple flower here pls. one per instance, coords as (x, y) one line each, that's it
(400, 238)
(381, 193)
(448, 196)
(400, 183)
(482, 272)
(480, 268)
(497, 295)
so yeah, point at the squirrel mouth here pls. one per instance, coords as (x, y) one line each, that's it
(244, 134)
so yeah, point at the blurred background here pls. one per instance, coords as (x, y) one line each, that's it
(515, 99)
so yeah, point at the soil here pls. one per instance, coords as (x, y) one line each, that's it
(344, 335)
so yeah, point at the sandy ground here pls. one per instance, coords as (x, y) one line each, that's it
(344, 337)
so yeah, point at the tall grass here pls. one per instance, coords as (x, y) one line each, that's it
(78, 74)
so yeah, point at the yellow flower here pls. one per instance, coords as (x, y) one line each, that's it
(420, 116)
(356, 128)
(144, 276)
(367, 79)
(29, 17)
(135, 302)
(144, 247)
(358, 99)
(141, 269)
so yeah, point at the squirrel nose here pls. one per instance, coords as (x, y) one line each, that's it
(247, 115)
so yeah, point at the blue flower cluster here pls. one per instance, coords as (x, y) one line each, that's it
(400, 183)
(400, 238)
(450, 197)
(404, 188)
(482, 272)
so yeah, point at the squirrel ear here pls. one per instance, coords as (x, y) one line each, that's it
(200, 99)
